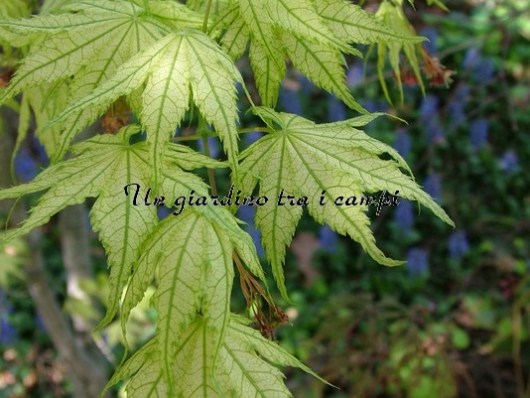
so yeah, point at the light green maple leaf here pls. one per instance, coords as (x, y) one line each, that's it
(264, 24)
(88, 41)
(214, 6)
(352, 24)
(313, 35)
(183, 65)
(49, 6)
(391, 13)
(104, 166)
(10, 9)
(241, 369)
(302, 158)
(179, 184)
(175, 15)
(44, 101)
(195, 272)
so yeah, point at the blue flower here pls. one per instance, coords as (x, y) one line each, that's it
(402, 142)
(306, 85)
(404, 215)
(472, 58)
(42, 157)
(354, 76)
(485, 70)
(433, 186)
(246, 214)
(431, 34)
(417, 262)
(429, 107)
(336, 109)
(290, 100)
(479, 133)
(252, 137)
(509, 162)
(435, 130)
(374, 106)
(213, 145)
(8, 333)
(458, 244)
(25, 166)
(328, 238)
(457, 113)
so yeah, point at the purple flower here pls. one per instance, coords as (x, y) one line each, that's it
(355, 75)
(485, 70)
(457, 105)
(404, 216)
(479, 133)
(458, 244)
(290, 100)
(328, 238)
(42, 157)
(417, 262)
(25, 166)
(433, 186)
(8, 333)
(429, 107)
(246, 214)
(163, 212)
(402, 142)
(431, 34)
(435, 131)
(213, 145)
(457, 113)
(306, 85)
(374, 106)
(472, 58)
(461, 93)
(481, 68)
(509, 162)
(252, 137)
(336, 109)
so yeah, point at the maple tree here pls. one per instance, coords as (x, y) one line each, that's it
(172, 61)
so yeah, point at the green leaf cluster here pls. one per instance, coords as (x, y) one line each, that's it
(174, 62)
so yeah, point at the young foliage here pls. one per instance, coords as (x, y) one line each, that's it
(88, 41)
(313, 35)
(176, 69)
(173, 62)
(240, 370)
(323, 163)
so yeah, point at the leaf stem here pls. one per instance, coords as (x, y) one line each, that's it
(252, 129)
(206, 16)
(208, 133)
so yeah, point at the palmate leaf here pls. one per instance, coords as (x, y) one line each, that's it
(104, 166)
(45, 101)
(88, 41)
(195, 272)
(182, 65)
(391, 13)
(305, 159)
(242, 367)
(312, 34)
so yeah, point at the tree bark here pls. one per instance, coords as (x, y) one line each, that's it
(79, 354)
